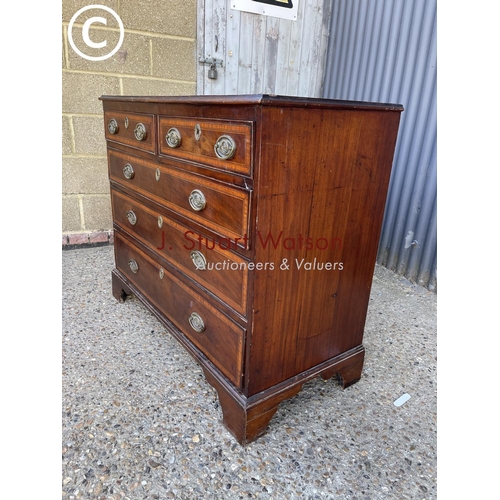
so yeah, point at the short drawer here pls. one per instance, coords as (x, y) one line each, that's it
(219, 144)
(219, 207)
(208, 262)
(132, 129)
(219, 338)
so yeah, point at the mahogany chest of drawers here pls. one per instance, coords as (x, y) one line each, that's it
(249, 226)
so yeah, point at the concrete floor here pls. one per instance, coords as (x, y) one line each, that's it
(141, 422)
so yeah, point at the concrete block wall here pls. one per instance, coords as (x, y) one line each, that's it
(157, 57)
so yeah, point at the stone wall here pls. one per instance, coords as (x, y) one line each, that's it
(157, 57)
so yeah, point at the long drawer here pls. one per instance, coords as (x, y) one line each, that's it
(206, 261)
(219, 338)
(219, 207)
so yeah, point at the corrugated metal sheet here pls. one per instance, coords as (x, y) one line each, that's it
(385, 51)
(263, 54)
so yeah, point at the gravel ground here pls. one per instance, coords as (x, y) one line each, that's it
(139, 421)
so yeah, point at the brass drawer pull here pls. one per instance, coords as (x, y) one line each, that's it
(132, 218)
(225, 147)
(140, 132)
(196, 322)
(199, 260)
(113, 126)
(197, 200)
(157, 174)
(160, 221)
(173, 138)
(133, 265)
(128, 171)
(161, 273)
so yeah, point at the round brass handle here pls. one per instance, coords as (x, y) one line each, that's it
(113, 126)
(197, 200)
(133, 265)
(128, 171)
(199, 260)
(132, 218)
(140, 132)
(173, 138)
(196, 322)
(225, 147)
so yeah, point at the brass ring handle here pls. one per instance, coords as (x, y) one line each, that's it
(225, 147)
(132, 218)
(113, 126)
(199, 260)
(196, 322)
(140, 132)
(173, 138)
(133, 265)
(128, 171)
(197, 200)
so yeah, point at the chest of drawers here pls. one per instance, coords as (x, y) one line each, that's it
(249, 226)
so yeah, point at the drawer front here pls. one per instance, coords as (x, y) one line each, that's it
(217, 206)
(132, 129)
(220, 271)
(220, 339)
(219, 144)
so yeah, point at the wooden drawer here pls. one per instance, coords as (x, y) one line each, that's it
(220, 271)
(226, 208)
(219, 144)
(221, 340)
(136, 130)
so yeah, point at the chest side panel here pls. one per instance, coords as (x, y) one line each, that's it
(323, 179)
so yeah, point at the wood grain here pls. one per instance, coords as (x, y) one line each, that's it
(306, 202)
